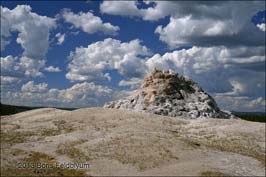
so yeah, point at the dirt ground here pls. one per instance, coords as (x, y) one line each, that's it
(117, 142)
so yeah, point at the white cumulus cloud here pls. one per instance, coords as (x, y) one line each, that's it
(52, 69)
(60, 38)
(34, 88)
(124, 8)
(79, 95)
(132, 82)
(241, 103)
(33, 36)
(89, 23)
(261, 26)
(22, 67)
(197, 23)
(33, 29)
(8, 80)
(90, 63)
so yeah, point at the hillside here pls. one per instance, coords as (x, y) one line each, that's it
(117, 142)
(13, 109)
(251, 116)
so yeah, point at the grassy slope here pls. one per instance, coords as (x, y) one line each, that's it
(11, 109)
(252, 117)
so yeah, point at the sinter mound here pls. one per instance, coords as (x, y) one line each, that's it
(170, 94)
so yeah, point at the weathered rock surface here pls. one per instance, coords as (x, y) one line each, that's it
(170, 94)
(125, 143)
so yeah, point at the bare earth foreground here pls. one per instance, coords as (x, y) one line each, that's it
(117, 142)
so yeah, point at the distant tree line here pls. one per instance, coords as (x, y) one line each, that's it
(10, 109)
(252, 117)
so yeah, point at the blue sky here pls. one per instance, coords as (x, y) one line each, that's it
(82, 54)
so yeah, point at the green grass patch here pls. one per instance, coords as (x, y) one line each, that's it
(13, 137)
(234, 145)
(72, 152)
(63, 126)
(131, 150)
(212, 173)
(50, 132)
(230, 144)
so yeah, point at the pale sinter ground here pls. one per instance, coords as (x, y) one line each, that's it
(117, 142)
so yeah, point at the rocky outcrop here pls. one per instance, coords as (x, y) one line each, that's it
(170, 94)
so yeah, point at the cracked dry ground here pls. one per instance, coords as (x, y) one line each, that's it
(116, 142)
